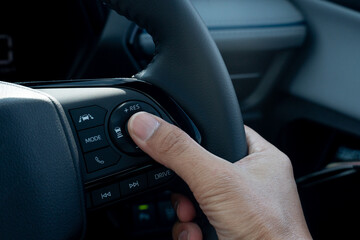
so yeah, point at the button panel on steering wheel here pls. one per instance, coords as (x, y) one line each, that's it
(112, 166)
(118, 125)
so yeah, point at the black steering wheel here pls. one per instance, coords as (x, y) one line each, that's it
(41, 180)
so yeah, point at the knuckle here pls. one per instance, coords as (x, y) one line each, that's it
(174, 142)
(285, 162)
(288, 164)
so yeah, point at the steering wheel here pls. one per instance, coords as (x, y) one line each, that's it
(41, 173)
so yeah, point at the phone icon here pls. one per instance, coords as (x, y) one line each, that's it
(97, 159)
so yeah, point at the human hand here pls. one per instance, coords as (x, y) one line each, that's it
(255, 198)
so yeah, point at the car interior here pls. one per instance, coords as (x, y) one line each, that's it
(72, 73)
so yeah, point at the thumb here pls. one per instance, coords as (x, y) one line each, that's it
(173, 148)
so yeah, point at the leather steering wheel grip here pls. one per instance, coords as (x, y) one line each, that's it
(188, 66)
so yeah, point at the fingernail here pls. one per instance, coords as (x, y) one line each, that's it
(143, 125)
(184, 235)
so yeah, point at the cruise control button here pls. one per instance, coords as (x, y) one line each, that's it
(92, 139)
(166, 213)
(101, 159)
(118, 123)
(133, 185)
(106, 194)
(144, 215)
(88, 117)
(159, 176)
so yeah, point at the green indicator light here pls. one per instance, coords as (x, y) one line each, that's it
(143, 207)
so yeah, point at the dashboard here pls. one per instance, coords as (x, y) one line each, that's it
(47, 42)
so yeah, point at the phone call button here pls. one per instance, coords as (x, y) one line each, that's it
(100, 159)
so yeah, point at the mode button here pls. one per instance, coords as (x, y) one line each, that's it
(93, 138)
